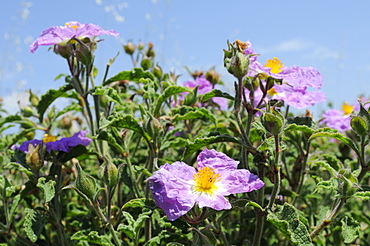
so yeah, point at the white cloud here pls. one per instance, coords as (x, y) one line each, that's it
(287, 46)
(324, 53)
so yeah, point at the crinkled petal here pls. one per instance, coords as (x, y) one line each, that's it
(216, 160)
(240, 181)
(65, 144)
(215, 201)
(171, 191)
(62, 34)
(24, 146)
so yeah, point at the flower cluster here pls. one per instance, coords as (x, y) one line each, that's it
(178, 187)
(63, 144)
(61, 35)
(296, 81)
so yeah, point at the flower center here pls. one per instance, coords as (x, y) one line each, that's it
(49, 138)
(205, 179)
(71, 26)
(347, 109)
(275, 65)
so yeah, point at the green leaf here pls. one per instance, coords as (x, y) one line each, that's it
(48, 98)
(128, 228)
(359, 125)
(13, 207)
(286, 219)
(198, 143)
(19, 167)
(139, 203)
(215, 93)
(301, 128)
(196, 113)
(108, 136)
(127, 122)
(47, 188)
(29, 218)
(136, 74)
(329, 132)
(168, 92)
(363, 195)
(110, 93)
(350, 229)
(92, 237)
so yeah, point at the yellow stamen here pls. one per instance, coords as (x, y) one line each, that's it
(71, 26)
(205, 179)
(49, 138)
(275, 65)
(272, 92)
(347, 109)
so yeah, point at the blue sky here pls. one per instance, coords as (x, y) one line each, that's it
(333, 36)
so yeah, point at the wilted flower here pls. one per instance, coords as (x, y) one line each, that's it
(205, 86)
(178, 187)
(64, 144)
(62, 34)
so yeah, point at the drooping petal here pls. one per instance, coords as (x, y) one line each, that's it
(216, 160)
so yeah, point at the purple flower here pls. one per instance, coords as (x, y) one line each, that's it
(205, 86)
(336, 119)
(341, 119)
(63, 144)
(178, 187)
(62, 34)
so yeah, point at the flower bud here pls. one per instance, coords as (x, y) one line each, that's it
(129, 48)
(110, 173)
(212, 76)
(150, 52)
(157, 71)
(27, 111)
(34, 157)
(146, 64)
(64, 51)
(85, 183)
(273, 122)
(358, 124)
(34, 100)
(83, 53)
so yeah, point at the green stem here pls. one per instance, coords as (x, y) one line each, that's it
(275, 168)
(302, 174)
(337, 205)
(106, 220)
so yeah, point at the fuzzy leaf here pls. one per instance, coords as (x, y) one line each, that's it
(329, 132)
(127, 122)
(167, 93)
(301, 128)
(49, 97)
(109, 92)
(47, 188)
(364, 195)
(29, 218)
(196, 113)
(350, 229)
(92, 237)
(286, 219)
(136, 74)
(215, 93)
(139, 203)
(198, 143)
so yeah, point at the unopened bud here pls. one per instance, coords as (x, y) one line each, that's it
(129, 48)
(85, 183)
(146, 64)
(34, 100)
(110, 173)
(273, 122)
(212, 76)
(83, 53)
(34, 157)
(64, 51)
(157, 71)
